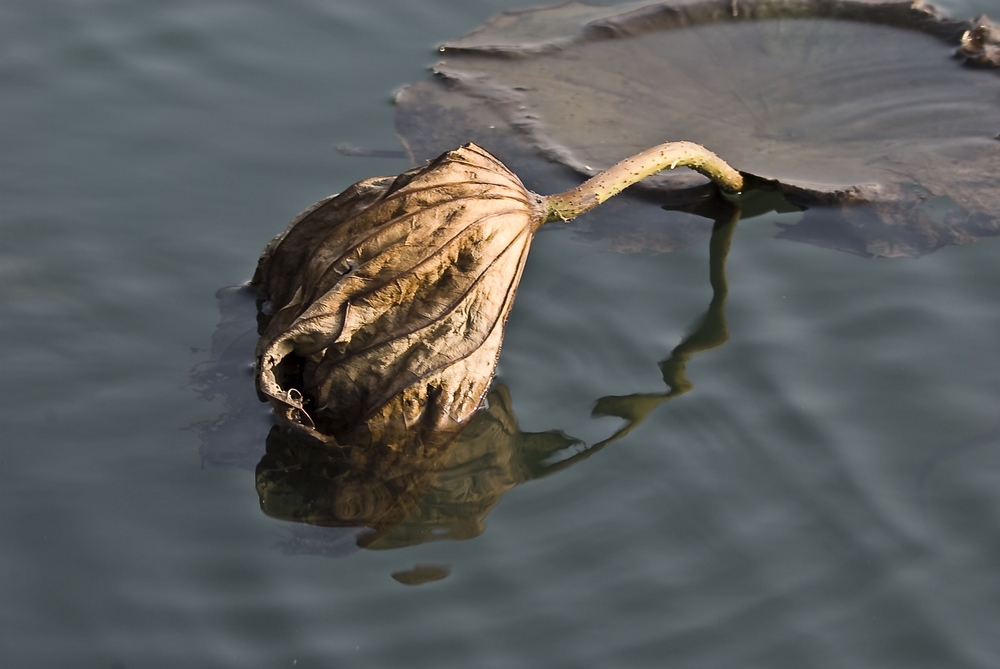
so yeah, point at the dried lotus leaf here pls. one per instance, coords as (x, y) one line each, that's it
(389, 301)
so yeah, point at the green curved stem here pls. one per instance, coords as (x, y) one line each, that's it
(594, 191)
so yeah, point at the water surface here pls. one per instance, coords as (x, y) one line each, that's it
(825, 495)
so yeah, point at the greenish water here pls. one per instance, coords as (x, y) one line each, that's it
(825, 496)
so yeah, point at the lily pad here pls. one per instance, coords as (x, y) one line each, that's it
(880, 118)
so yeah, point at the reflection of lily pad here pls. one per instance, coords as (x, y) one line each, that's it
(842, 103)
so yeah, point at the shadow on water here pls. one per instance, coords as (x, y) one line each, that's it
(339, 500)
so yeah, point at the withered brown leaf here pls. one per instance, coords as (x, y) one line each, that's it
(389, 301)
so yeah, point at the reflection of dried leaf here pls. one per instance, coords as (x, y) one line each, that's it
(410, 499)
(389, 301)
(421, 573)
(861, 103)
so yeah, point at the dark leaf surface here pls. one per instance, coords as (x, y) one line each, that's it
(838, 104)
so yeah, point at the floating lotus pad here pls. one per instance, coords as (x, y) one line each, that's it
(833, 103)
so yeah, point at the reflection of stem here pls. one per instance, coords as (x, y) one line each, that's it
(711, 332)
(621, 175)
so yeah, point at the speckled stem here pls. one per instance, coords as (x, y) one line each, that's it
(594, 191)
